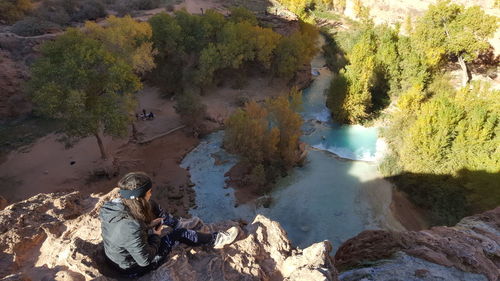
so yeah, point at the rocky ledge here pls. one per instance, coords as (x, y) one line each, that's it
(468, 251)
(57, 237)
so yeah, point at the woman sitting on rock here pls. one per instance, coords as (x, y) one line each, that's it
(132, 226)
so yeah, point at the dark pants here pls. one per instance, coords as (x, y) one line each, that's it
(181, 235)
(185, 236)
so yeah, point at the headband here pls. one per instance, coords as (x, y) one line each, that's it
(136, 193)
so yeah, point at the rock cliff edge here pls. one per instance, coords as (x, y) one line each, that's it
(57, 237)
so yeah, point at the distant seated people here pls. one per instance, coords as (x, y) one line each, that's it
(146, 116)
(132, 225)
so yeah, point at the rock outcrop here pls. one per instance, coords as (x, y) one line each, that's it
(263, 252)
(472, 246)
(57, 237)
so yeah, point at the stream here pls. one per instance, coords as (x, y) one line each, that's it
(335, 195)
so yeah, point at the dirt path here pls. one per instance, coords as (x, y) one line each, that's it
(197, 6)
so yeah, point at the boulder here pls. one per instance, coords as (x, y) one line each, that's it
(473, 245)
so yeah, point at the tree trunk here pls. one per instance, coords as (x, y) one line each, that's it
(466, 76)
(134, 132)
(101, 146)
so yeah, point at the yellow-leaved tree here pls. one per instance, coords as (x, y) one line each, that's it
(127, 38)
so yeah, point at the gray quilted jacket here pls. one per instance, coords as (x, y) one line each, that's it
(126, 240)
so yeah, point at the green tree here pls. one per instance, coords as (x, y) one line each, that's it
(237, 44)
(166, 34)
(192, 35)
(212, 22)
(169, 57)
(205, 48)
(453, 30)
(78, 81)
(192, 111)
(293, 51)
(452, 134)
(416, 69)
(355, 105)
(337, 95)
(387, 57)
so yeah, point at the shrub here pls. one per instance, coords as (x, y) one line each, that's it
(240, 14)
(89, 10)
(13, 10)
(390, 166)
(62, 12)
(32, 26)
(257, 176)
(127, 6)
(54, 11)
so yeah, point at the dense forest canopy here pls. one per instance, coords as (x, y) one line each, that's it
(87, 77)
(207, 48)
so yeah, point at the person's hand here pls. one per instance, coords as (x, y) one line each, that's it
(154, 223)
(157, 230)
(157, 225)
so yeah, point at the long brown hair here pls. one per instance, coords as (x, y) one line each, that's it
(139, 207)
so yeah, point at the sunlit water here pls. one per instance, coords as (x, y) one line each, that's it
(328, 198)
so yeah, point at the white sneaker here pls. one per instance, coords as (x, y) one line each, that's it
(189, 223)
(226, 237)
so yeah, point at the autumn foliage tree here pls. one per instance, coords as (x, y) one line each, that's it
(266, 136)
(126, 38)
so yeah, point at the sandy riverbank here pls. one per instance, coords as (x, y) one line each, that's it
(47, 166)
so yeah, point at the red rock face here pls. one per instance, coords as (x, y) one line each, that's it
(473, 245)
(57, 236)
